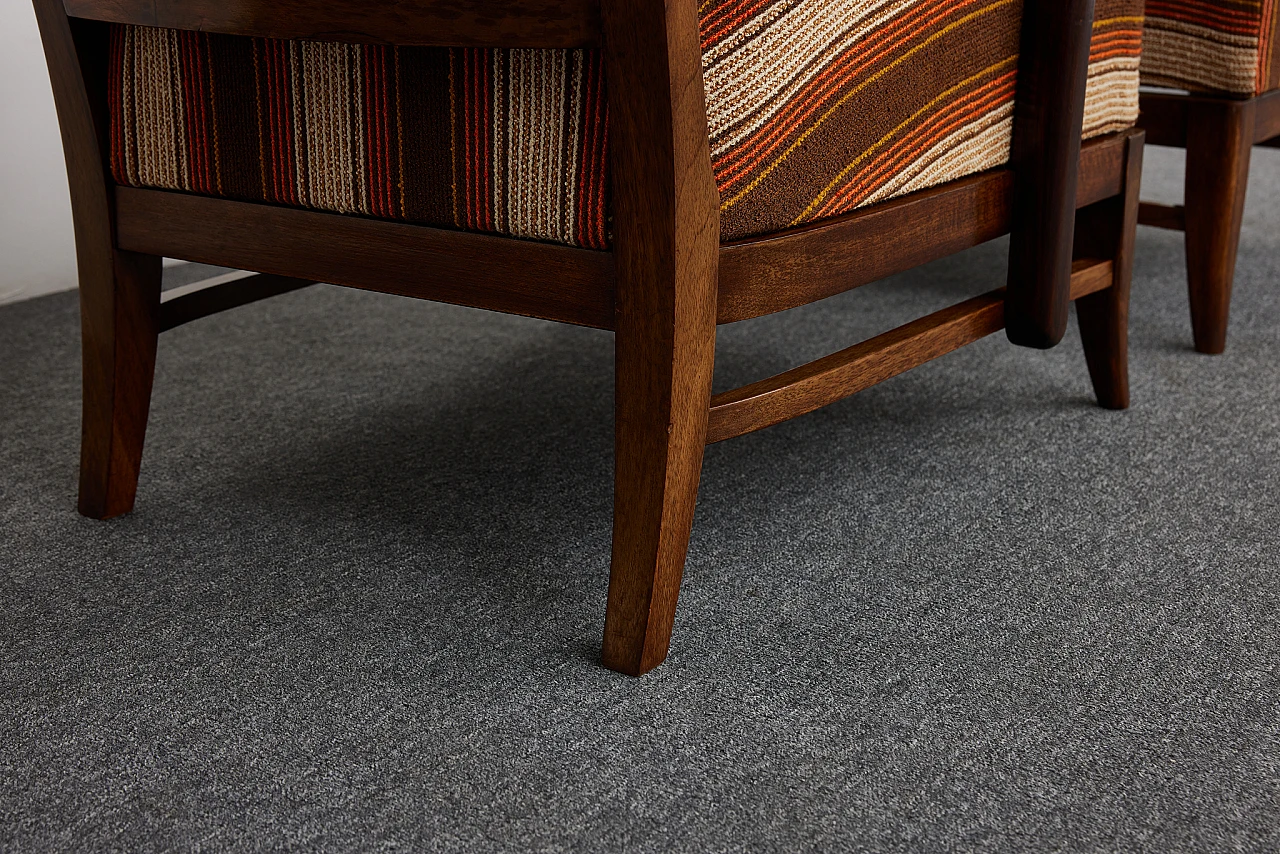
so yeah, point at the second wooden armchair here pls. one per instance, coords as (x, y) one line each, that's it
(650, 168)
(1222, 53)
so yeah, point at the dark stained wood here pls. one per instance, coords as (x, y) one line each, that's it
(1090, 276)
(764, 275)
(119, 330)
(1164, 118)
(1220, 137)
(666, 238)
(1172, 217)
(1108, 229)
(497, 273)
(835, 377)
(119, 291)
(757, 277)
(1266, 117)
(1218, 133)
(803, 265)
(192, 302)
(455, 23)
(831, 378)
(1167, 115)
(1053, 68)
(1102, 165)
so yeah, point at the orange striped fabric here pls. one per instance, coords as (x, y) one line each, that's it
(815, 108)
(860, 102)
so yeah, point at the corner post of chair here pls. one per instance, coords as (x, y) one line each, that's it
(666, 234)
(119, 291)
(1220, 138)
(1048, 118)
(1107, 230)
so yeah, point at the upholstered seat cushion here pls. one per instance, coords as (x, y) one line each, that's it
(1211, 45)
(816, 108)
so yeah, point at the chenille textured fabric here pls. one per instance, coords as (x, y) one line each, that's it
(816, 108)
(1212, 45)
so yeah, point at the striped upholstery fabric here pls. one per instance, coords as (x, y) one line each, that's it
(816, 108)
(1212, 45)
(511, 142)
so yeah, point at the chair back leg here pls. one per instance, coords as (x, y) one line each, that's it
(1106, 230)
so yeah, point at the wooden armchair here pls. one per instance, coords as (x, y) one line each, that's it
(1223, 54)
(759, 157)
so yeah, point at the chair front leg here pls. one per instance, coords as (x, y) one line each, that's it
(666, 240)
(662, 402)
(119, 291)
(119, 310)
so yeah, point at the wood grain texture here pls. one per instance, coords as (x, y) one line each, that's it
(1220, 135)
(831, 378)
(1163, 118)
(119, 291)
(1053, 69)
(514, 276)
(202, 299)
(1171, 217)
(1108, 229)
(793, 268)
(756, 277)
(666, 240)
(451, 23)
(1266, 109)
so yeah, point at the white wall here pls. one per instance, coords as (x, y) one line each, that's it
(37, 247)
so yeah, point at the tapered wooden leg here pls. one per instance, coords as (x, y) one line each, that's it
(1219, 143)
(663, 400)
(1104, 329)
(119, 327)
(666, 241)
(1107, 230)
(119, 291)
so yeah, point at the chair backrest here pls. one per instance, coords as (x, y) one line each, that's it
(454, 23)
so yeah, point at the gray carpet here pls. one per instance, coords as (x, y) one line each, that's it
(359, 604)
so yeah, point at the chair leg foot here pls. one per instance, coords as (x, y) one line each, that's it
(652, 523)
(119, 328)
(1219, 143)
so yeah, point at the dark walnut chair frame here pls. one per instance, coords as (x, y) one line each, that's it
(1218, 133)
(663, 288)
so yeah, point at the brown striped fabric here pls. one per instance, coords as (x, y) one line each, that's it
(816, 108)
(1212, 45)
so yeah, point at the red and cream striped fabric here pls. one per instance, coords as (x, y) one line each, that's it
(816, 108)
(1212, 45)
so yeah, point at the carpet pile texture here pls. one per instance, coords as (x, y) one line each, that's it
(359, 604)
